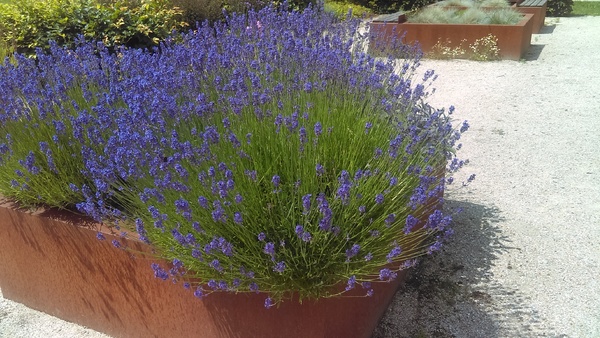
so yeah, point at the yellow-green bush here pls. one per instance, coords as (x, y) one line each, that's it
(197, 11)
(137, 23)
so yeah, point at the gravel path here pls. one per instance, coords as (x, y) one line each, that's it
(525, 259)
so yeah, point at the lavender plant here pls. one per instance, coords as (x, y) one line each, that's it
(303, 165)
(265, 153)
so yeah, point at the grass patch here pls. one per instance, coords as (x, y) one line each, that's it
(590, 8)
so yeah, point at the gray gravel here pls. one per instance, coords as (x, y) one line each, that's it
(525, 259)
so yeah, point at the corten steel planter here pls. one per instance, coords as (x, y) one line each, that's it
(513, 40)
(52, 261)
(537, 8)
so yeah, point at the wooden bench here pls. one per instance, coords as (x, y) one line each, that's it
(533, 3)
(398, 17)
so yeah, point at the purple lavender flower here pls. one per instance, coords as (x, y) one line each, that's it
(390, 219)
(251, 173)
(182, 205)
(464, 127)
(343, 193)
(353, 251)
(213, 284)
(196, 226)
(276, 180)
(434, 247)
(159, 272)
(237, 218)
(100, 236)
(178, 237)
(379, 198)
(411, 221)
(318, 129)
(269, 303)
(196, 254)
(306, 203)
(386, 274)
(303, 234)
(253, 287)
(351, 282)
(116, 244)
(470, 179)
(211, 172)
(279, 267)
(320, 169)
(395, 252)
(308, 87)
(303, 137)
(269, 249)
(198, 293)
(29, 163)
(203, 202)
(218, 213)
(261, 237)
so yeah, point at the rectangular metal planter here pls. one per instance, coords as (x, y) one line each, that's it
(539, 13)
(52, 261)
(513, 40)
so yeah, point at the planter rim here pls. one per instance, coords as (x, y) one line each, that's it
(522, 22)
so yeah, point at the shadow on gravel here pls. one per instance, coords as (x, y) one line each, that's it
(547, 29)
(534, 52)
(451, 293)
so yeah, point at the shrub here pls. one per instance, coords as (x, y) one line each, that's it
(559, 7)
(458, 3)
(433, 14)
(390, 6)
(340, 9)
(264, 153)
(504, 16)
(495, 3)
(33, 23)
(197, 11)
(471, 15)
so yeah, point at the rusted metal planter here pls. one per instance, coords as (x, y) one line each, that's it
(537, 8)
(52, 261)
(513, 40)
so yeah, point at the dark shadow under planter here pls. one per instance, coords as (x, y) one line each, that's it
(513, 40)
(52, 261)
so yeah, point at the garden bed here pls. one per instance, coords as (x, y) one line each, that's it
(52, 261)
(513, 40)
